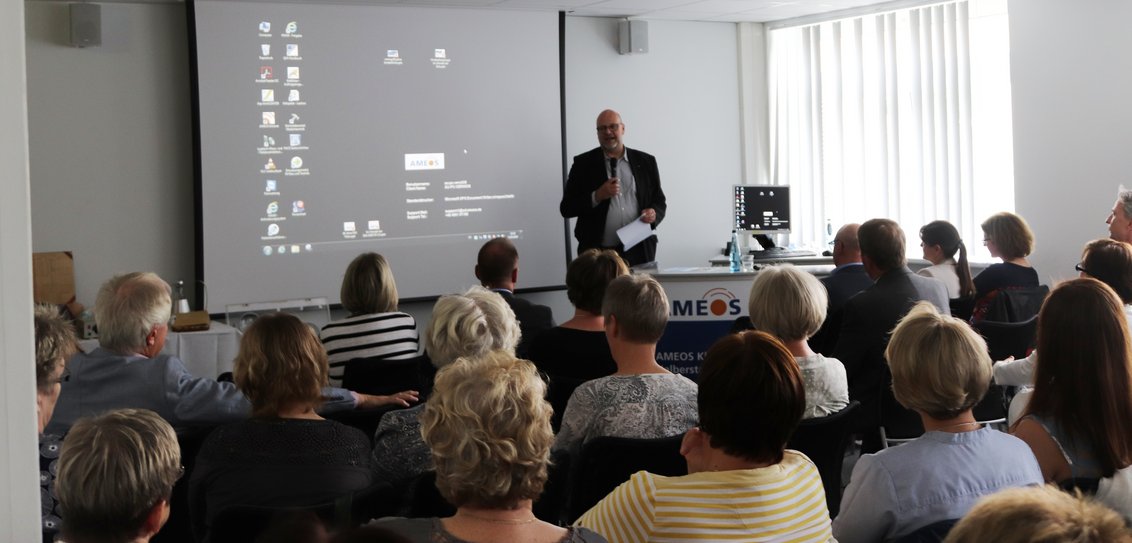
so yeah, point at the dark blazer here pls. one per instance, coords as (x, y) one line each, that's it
(533, 319)
(867, 320)
(841, 285)
(587, 174)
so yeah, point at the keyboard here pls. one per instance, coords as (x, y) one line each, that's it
(779, 252)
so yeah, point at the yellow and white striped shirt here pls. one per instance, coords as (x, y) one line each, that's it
(784, 502)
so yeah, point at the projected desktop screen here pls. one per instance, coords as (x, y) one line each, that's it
(328, 130)
(762, 209)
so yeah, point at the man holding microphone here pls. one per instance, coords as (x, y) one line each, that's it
(611, 186)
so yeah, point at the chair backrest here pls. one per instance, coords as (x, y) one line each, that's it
(179, 527)
(244, 523)
(824, 440)
(961, 308)
(1014, 304)
(365, 420)
(381, 376)
(558, 392)
(1006, 339)
(897, 423)
(606, 462)
(425, 500)
(932, 533)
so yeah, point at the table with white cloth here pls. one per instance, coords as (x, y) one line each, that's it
(206, 353)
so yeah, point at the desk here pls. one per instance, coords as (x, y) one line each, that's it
(207, 353)
(704, 303)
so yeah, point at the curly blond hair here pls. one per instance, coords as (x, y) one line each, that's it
(488, 426)
(470, 325)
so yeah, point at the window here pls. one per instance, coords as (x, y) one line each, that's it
(903, 114)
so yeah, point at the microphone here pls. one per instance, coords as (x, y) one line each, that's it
(613, 167)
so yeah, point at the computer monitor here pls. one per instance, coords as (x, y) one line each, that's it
(762, 209)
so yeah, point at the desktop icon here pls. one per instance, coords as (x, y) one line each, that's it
(293, 95)
(298, 207)
(294, 118)
(270, 186)
(292, 72)
(265, 26)
(295, 249)
(273, 230)
(374, 225)
(273, 208)
(266, 95)
(392, 53)
(292, 27)
(440, 53)
(308, 247)
(269, 118)
(266, 250)
(296, 140)
(268, 141)
(265, 72)
(348, 226)
(292, 49)
(270, 165)
(296, 163)
(265, 49)
(282, 248)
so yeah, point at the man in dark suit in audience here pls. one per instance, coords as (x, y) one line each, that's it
(497, 268)
(847, 279)
(869, 317)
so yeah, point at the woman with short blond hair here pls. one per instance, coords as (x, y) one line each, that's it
(488, 427)
(1007, 236)
(941, 370)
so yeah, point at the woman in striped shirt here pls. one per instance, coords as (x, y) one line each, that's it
(742, 484)
(374, 329)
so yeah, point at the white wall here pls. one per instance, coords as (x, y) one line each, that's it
(679, 102)
(111, 145)
(19, 515)
(1071, 81)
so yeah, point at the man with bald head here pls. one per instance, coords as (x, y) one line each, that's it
(611, 186)
(847, 278)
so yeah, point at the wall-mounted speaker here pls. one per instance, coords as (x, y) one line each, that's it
(86, 24)
(634, 36)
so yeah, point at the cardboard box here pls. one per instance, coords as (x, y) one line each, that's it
(53, 277)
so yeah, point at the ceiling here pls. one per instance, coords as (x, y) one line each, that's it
(682, 10)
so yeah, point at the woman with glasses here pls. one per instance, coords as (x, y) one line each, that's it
(1007, 236)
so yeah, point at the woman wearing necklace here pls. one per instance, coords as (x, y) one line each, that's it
(940, 369)
(488, 428)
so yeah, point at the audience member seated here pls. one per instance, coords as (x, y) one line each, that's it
(497, 268)
(578, 349)
(641, 400)
(845, 281)
(869, 317)
(1039, 514)
(374, 329)
(1120, 218)
(465, 325)
(790, 304)
(54, 343)
(488, 427)
(1007, 236)
(1106, 260)
(285, 455)
(941, 370)
(742, 485)
(129, 370)
(1079, 419)
(940, 242)
(116, 472)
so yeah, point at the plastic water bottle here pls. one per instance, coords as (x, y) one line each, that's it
(736, 264)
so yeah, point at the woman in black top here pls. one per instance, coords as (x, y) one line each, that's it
(1007, 236)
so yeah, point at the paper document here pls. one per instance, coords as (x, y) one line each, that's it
(633, 233)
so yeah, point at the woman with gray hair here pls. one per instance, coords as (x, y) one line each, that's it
(790, 304)
(940, 370)
(467, 325)
(488, 430)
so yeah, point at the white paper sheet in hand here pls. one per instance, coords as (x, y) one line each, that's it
(633, 233)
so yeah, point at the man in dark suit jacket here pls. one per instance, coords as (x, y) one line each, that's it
(869, 317)
(611, 186)
(847, 279)
(497, 268)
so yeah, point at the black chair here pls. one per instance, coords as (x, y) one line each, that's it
(424, 500)
(961, 308)
(178, 529)
(365, 420)
(381, 376)
(1087, 485)
(898, 424)
(244, 523)
(606, 462)
(1010, 304)
(824, 440)
(558, 392)
(935, 532)
(1006, 339)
